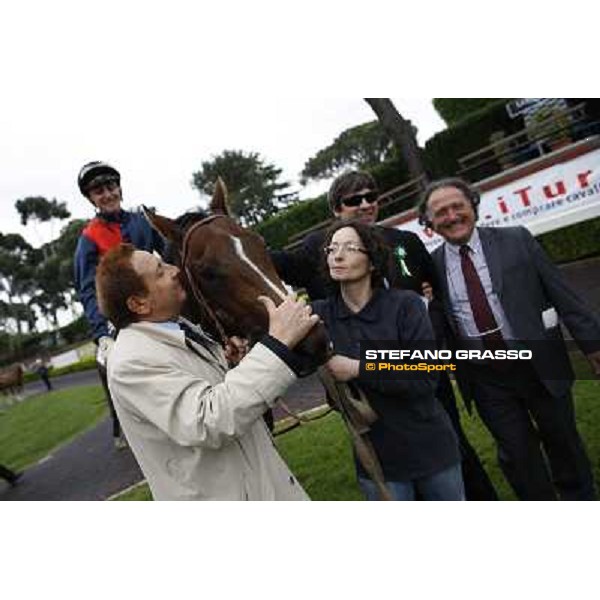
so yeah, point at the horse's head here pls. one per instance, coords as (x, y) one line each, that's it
(225, 269)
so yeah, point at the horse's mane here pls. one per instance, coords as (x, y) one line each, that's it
(184, 222)
(187, 219)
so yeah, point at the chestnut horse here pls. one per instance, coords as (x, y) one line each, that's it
(225, 268)
(11, 381)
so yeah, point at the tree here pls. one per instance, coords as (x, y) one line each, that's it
(40, 210)
(254, 190)
(454, 110)
(16, 279)
(55, 287)
(362, 147)
(401, 132)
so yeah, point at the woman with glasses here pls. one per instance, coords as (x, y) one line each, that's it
(355, 196)
(413, 436)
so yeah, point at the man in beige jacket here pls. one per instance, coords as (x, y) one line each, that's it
(194, 426)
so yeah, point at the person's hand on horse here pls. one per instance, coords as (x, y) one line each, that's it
(291, 321)
(343, 368)
(235, 349)
(105, 345)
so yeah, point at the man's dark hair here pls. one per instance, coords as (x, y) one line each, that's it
(116, 282)
(450, 182)
(377, 250)
(348, 183)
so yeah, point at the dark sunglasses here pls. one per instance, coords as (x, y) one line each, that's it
(357, 199)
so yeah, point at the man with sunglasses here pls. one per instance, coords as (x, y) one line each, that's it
(100, 183)
(355, 195)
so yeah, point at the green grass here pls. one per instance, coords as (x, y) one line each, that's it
(587, 408)
(136, 494)
(30, 430)
(319, 453)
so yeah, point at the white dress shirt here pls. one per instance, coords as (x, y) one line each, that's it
(459, 299)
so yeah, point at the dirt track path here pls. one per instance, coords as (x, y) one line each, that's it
(90, 468)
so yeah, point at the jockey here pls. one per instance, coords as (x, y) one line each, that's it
(100, 183)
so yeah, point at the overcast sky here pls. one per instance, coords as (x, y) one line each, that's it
(158, 141)
(157, 89)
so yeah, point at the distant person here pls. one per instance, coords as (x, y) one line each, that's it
(100, 183)
(355, 196)
(413, 437)
(42, 370)
(499, 288)
(195, 426)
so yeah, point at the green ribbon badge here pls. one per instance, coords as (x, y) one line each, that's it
(400, 254)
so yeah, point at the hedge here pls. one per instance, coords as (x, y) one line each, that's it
(85, 364)
(279, 229)
(575, 242)
(444, 149)
(441, 156)
(454, 110)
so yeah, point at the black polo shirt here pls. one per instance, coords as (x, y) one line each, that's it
(413, 437)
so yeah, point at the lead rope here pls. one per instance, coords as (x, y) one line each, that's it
(206, 307)
(195, 290)
(358, 417)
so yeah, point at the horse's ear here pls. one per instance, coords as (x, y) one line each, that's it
(218, 205)
(166, 227)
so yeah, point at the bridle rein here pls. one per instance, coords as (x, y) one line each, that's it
(354, 408)
(198, 295)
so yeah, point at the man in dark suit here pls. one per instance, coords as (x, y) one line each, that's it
(499, 289)
(355, 195)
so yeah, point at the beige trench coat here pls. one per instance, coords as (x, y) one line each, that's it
(194, 427)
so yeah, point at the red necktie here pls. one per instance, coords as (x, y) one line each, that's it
(480, 307)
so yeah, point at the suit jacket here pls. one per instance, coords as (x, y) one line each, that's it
(195, 427)
(527, 284)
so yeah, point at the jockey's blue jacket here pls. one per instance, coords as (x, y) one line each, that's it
(100, 235)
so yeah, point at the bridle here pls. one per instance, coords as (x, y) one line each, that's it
(355, 411)
(198, 295)
(197, 292)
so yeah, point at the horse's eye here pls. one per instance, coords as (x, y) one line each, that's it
(208, 272)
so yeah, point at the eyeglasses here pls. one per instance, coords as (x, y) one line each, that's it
(348, 247)
(357, 199)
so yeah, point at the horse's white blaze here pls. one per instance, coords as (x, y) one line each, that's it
(239, 250)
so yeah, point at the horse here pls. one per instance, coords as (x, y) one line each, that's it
(224, 269)
(11, 381)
